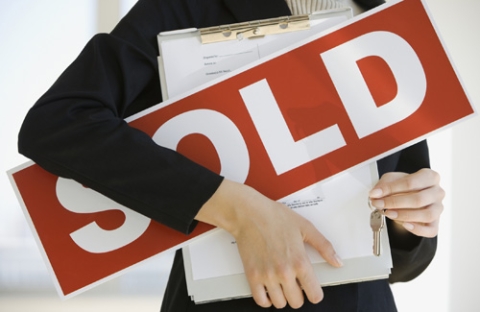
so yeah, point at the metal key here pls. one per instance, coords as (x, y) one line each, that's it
(377, 221)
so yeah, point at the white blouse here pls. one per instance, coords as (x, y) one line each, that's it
(299, 7)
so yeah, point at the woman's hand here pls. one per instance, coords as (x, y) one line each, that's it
(271, 240)
(412, 200)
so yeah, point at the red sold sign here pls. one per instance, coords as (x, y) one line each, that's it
(348, 97)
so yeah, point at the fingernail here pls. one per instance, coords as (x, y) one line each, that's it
(376, 193)
(338, 260)
(408, 226)
(391, 214)
(378, 203)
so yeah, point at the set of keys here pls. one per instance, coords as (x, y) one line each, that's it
(377, 222)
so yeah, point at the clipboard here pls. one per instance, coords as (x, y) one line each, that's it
(280, 33)
(250, 37)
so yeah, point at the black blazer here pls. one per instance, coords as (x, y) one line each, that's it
(77, 130)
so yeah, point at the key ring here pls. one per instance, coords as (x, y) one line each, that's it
(373, 208)
(370, 205)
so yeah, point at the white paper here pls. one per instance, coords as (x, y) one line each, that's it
(338, 208)
(185, 64)
(191, 63)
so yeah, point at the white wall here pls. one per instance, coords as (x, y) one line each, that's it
(39, 39)
(449, 284)
(462, 34)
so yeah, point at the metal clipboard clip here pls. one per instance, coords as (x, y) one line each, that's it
(254, 29)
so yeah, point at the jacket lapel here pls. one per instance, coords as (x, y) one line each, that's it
(250, 10)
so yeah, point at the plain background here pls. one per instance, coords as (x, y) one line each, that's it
(39, 38)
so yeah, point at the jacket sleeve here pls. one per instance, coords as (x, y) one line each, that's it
(77, 129)
(411, 254)
(369, 4)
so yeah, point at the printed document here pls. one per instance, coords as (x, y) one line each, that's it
(337, 207)
(192, 63)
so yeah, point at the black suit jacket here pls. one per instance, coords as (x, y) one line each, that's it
(77, 130)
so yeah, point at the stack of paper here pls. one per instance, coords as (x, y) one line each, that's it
(338, 207)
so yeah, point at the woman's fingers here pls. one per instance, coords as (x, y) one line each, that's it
(412, 200)
(393, 183)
